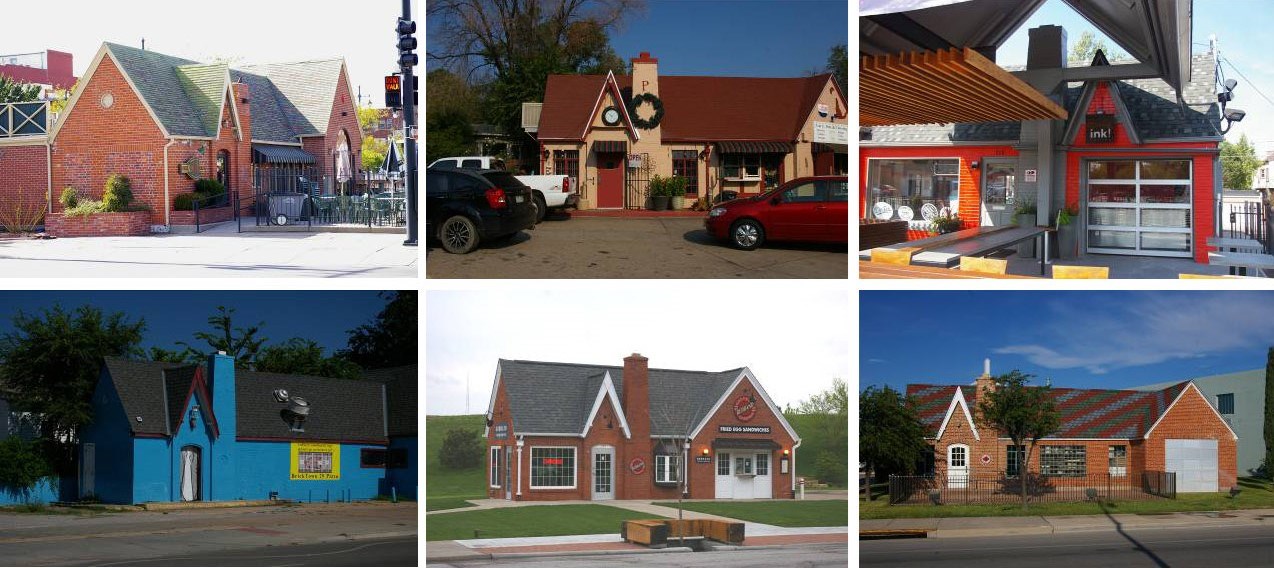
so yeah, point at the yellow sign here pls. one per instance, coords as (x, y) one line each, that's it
(316, 461)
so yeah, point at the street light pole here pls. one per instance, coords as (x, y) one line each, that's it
(409, 139)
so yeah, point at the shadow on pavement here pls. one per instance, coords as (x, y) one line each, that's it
(701, 236)
(1135, 543)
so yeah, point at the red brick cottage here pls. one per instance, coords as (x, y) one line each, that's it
(1103, 432)
(1141, 169)
(559, 431)
(165, 122)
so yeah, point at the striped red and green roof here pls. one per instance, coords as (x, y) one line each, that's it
(1085, 413)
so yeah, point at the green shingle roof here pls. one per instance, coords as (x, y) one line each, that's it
(157, 80)
(205, 87)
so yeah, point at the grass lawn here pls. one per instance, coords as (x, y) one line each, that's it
(534, 520)
(444, 488)
(782, 513)
(1257, 494)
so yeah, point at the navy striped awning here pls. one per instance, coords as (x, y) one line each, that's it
(610, 146)
(745, 443)
(754, 147)
(266, 154)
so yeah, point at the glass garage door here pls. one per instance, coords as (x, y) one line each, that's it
(1140, 207)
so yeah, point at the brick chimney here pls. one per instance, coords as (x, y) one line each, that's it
(243, 151)
(983, 384)
(636, 396)
(645, 74)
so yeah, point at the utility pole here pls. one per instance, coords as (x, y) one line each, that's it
(407, 60)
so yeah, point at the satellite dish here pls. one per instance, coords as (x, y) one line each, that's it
(280, 395)
(299, 406)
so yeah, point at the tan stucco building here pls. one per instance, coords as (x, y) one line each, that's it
(744, 134)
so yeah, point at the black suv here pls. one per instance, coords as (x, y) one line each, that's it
(465, 207)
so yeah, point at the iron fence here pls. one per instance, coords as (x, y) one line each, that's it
(918, 490)
(277, 208)
(637, 180)
(202, 206)
(1248, 219)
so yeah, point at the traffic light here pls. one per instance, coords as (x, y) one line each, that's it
(415, 90)
(393, 91)
(407, 43)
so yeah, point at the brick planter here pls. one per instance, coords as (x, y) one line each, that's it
(128, 223)
(206, 216)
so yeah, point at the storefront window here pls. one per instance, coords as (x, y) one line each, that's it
(1140, 206)
(762, 464)
(1118, 456)
(723, 464)
(771, 167)
(495, 467)
(685, 163)
(741, 166)
(1013, 465)
(913, 190)
(372, 457)
(1063, 461)
(552, 468)
(666, 469)
(566, 163)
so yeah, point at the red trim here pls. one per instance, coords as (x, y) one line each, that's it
(381, 442)
(644, 57)
(141, 435)
(199, 382)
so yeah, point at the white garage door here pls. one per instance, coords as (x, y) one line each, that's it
(1194, 462)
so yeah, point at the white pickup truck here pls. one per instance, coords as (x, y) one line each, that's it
(550, 191)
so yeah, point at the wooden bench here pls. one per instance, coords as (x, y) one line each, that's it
(652, 533)
(656, 533)
(1242, 260)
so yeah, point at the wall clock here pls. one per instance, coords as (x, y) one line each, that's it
(610, 116)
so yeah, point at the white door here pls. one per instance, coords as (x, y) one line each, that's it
(1194, 462)
(725, 477)
(999, 190)
(603, 473)
(508, 485)
(744, 476)
(190, 473)
(957, 466)
(762, 484)
(88, 470)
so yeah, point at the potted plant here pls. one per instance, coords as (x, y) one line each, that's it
(658, 193)
(677, 188)
(1025, 215)
(1067, 232)
(946, 224)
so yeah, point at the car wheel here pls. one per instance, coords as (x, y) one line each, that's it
(746, 234)
(458, 235)
(541, 208)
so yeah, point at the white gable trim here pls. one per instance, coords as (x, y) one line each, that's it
(607, 387)
(103, 52)
(228, 97)
(747, 374)
(1182, 394)
(623, 108)
(349, 88)
(495, 388)
(958, 399)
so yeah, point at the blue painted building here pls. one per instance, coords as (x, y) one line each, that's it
(171, 432)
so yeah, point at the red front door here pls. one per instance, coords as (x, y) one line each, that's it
(610, 181)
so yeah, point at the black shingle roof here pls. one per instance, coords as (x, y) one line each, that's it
(146, 393)
(557, 397)
(400, 392)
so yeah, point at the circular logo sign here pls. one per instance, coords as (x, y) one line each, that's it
(986, 459)
(744, 408)
(638, 466)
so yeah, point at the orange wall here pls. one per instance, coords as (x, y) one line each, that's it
(970, 179)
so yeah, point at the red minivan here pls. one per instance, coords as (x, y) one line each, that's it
(813, 209)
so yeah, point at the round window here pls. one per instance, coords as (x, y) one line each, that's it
(107, 100)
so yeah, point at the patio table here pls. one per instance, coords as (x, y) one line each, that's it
(1242, 260)
(938, 240)
(873, 270)
(948, 255)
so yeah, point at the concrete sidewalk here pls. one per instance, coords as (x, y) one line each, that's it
(955, 527)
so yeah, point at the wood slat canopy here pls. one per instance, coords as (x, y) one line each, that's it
(949, 85)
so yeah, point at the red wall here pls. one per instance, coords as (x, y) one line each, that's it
(1193, 418)
(24, 176)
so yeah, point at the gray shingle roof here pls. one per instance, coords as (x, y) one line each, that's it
(557, 397)
(269, 122)
(145, 391)
(946, 133)
(303, 94)
(400, 392)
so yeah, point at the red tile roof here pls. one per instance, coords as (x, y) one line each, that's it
(696, 108)
(1085, 413)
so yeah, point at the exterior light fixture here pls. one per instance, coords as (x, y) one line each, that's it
(786, 451)
(974, 164)
(705, 451)
(1233, 115)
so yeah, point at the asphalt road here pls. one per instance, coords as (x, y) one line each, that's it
(387, 552)
(1231, 547)
(803, 556)
(598, 247)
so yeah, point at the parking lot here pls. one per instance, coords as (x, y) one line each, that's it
(669, 247)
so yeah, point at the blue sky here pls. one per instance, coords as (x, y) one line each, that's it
(171, 316)
(1242, 29)
(1079, 339)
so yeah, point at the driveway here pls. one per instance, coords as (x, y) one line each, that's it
(216, 253)
(672, 247)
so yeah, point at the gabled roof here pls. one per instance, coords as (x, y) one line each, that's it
(152, 391)
(696, 108)
(400, 395)
(1085, 413)
(301, 95)
(167, 90)
(556, 398)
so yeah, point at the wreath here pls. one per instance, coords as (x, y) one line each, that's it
(635, 103)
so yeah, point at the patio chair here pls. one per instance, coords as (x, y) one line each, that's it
(900, 257)
(984, 265)
(1086, 272)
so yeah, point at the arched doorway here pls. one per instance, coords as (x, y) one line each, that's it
(191, 489)
(223, 169)
(342, 163)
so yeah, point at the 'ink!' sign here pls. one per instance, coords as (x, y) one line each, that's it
(744, 407)
(1099, 128)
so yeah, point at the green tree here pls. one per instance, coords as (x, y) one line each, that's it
(391, 339)
(374, 152)
(238, 342)
(1020, 412)
(50, 361)
(368, 118)
(890, 434)
(22, 466)
(1269, 414)
(838, 66)
(1238, 163)
(305, 357)
(450, 134)
(1085, 48)
(461, 449)
(12, 91)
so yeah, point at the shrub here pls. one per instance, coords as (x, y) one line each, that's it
(70, 197)
(118, 194)
(677, 186)
(22, 466)
(20, 214)
(830, 469)
(185, 201)
(84, 208)
(209, 188)
(461, 449)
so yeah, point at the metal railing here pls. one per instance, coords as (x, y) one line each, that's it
(919, 490)
(299, 209)
(24, 119)
(1247, 219)
(202, 205)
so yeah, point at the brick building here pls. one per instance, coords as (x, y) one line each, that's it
(745, 134)
(560, 431)
(1103, 432)
(166, 122)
